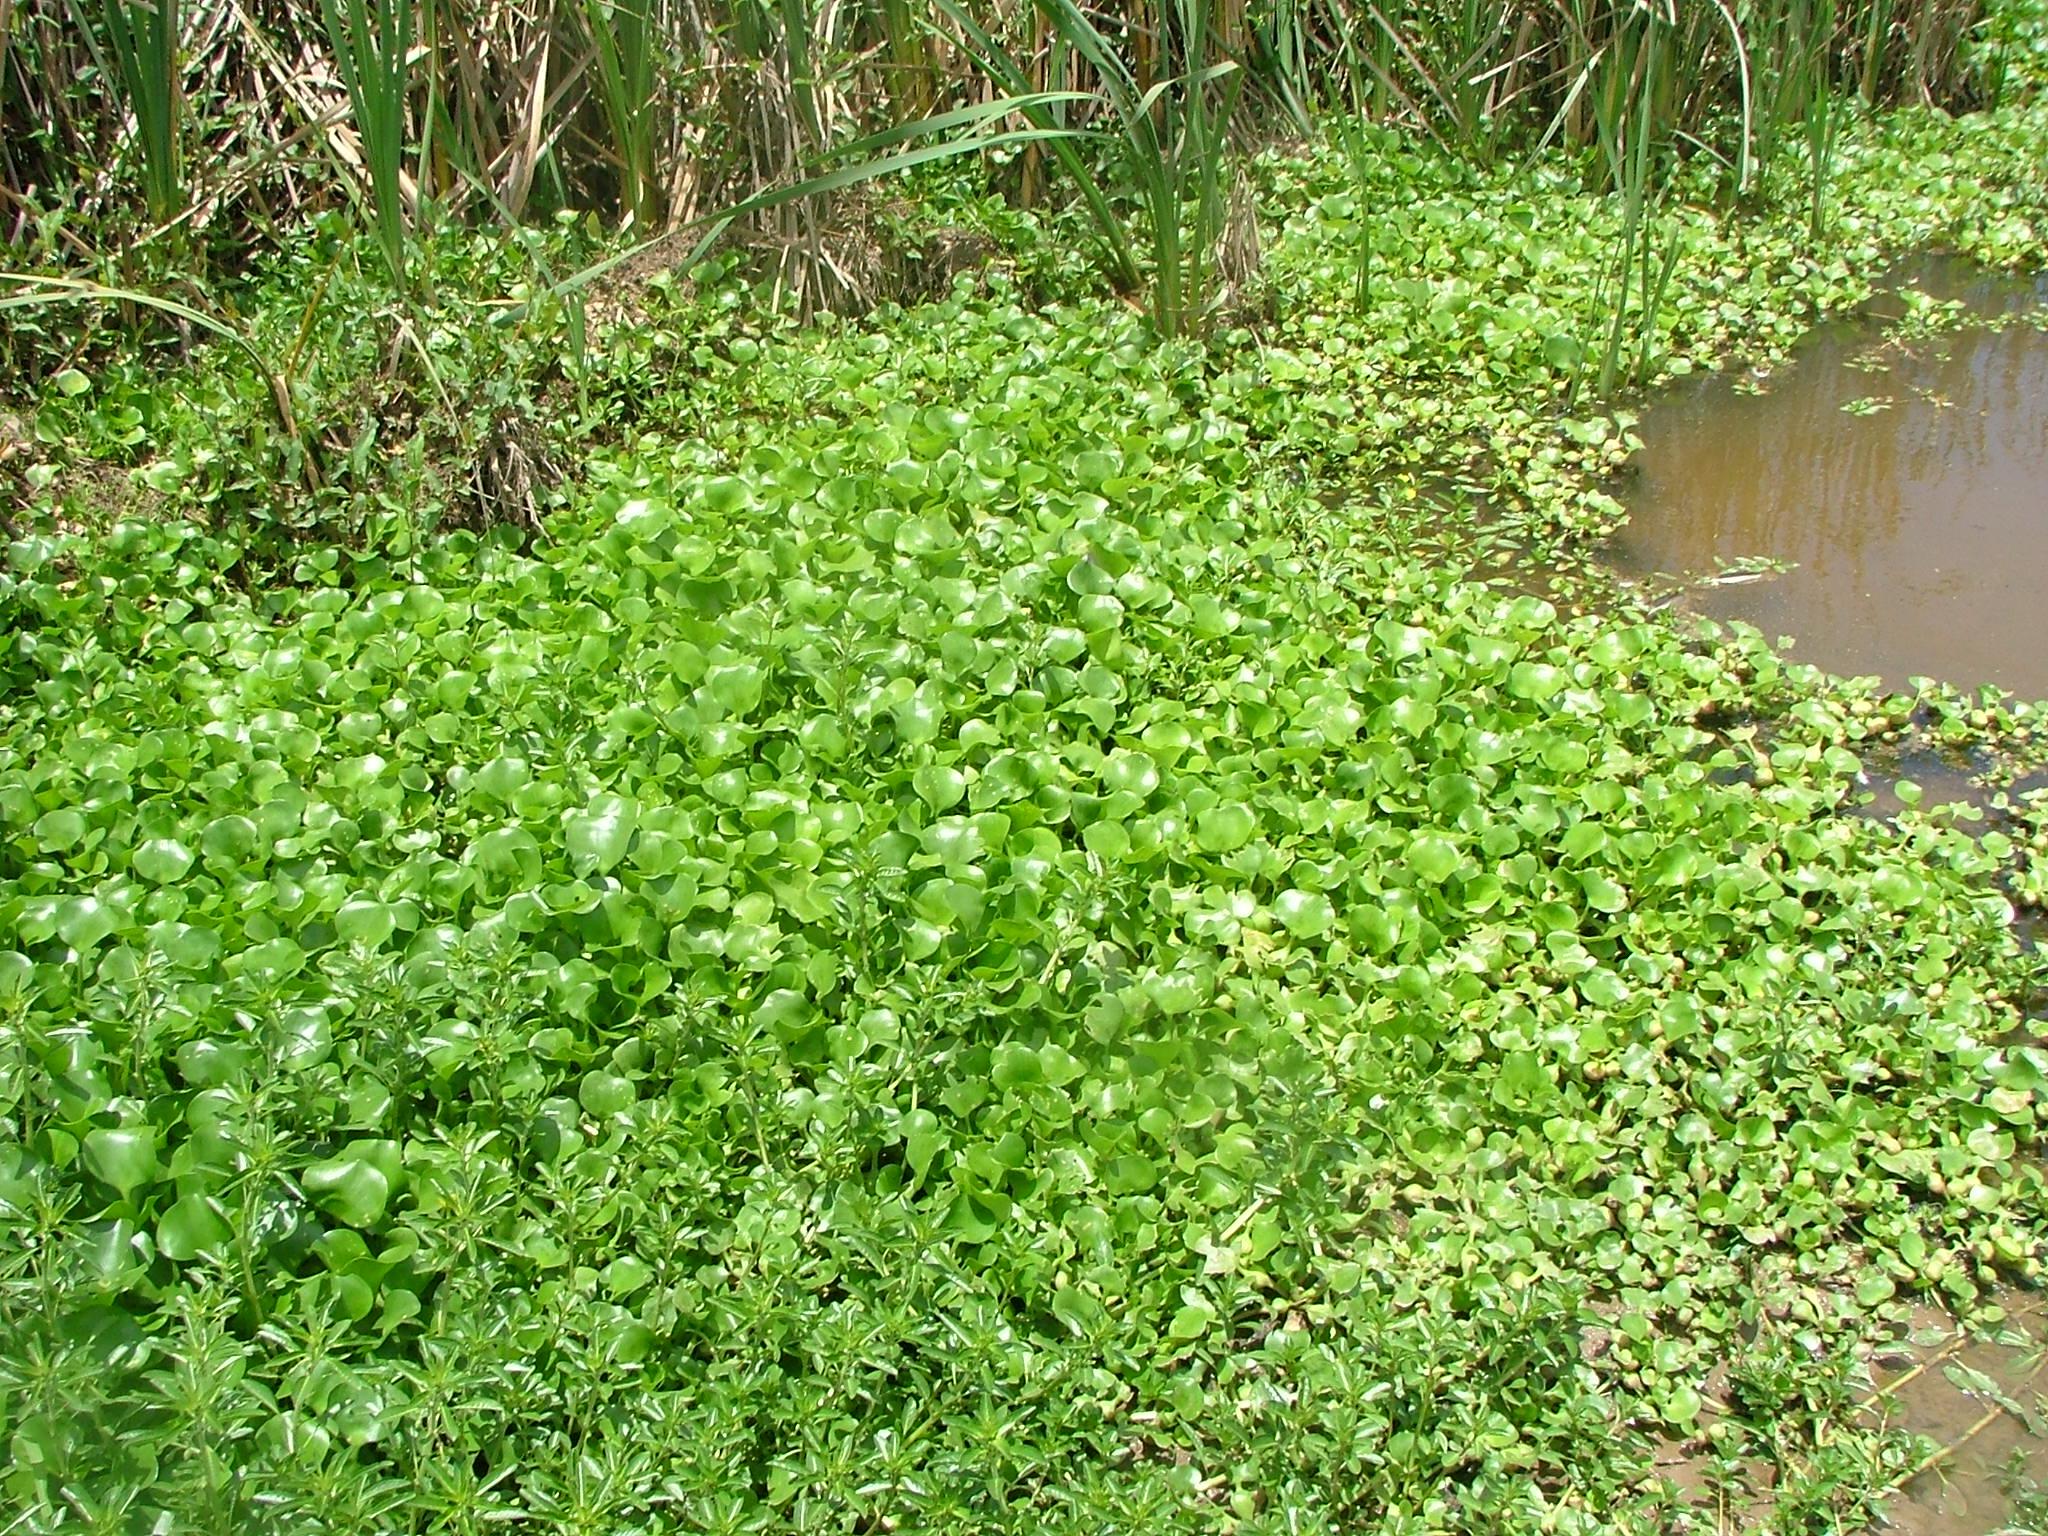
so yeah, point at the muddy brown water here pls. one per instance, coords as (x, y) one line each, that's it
(1975, 1400)
(1905, 482)
(1971, 1396)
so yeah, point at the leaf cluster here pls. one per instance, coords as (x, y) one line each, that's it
(934, 956)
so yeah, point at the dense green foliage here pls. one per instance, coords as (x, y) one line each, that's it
(981, 930)
(1475, 345)
(952, 946)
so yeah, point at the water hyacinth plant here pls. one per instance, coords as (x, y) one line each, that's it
(968, 918)
(941, 941)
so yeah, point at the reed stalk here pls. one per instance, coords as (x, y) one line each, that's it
(142, 39)
(372, 44)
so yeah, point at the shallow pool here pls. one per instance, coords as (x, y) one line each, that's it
(1904, 482)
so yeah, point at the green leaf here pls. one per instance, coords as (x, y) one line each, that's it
(626, 1275)
(1434, 859)
(1016, 1066)
(195, 1225)
(1306, 914)
(1109, 840)
(1191, 1322)
(606, 1093)
(124, 1158)
(1132, 773)
(1602, 894)
(185, 946)
(59, 831)
(1224, 828)
(230, 839)
(1535, 680)
(726, 495)
(598, 836)
(503, 777)
(84, 921)
(269, 963)
(923, 1140)
(365, 922)
(162, 860)
(950, 903)
(1413, 715)
(737, 687)
(1682, 1405)
(351, 1189)
(940, 787)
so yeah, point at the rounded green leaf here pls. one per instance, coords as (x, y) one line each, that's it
(83, 921)
(194, 1225)
(1131, 773)
(606, 1093)
(185, 946)
(365, 922)
(1683, 1405)
(124, 1158)
(940, 787)
(726, 494)
(625, 1275)
(823, 737)
(737, 687)
(351, 1189)
(599, 835)
(1414, 715)
(60, 831)
(1107, 839)
(162, 860)
(503, 777)
(1434, 859)
(1016, 1066)
(1306, 914)
(230, 839)
(1224, 828)
(1602, 894)
(1534, 680)
(1190, 1323)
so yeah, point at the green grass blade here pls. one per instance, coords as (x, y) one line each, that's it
(372, 41)
(143, 35)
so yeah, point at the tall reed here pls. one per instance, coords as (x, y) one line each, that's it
(625, 45)
(661, 112)
(142, 38)
(372, 43)
(1167, 111)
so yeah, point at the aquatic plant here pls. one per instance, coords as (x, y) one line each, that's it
(973, 931)
(943, 941)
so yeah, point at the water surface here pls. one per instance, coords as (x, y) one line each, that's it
(1971, 1398)
(1907, 483)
